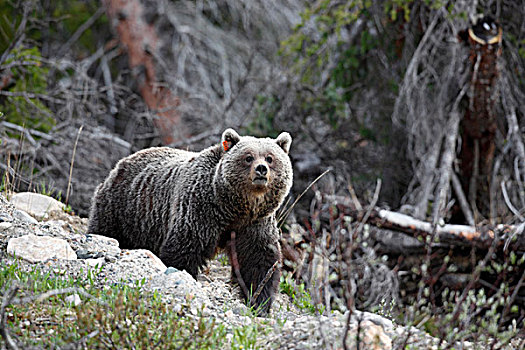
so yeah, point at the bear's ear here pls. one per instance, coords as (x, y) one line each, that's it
(284, 140)
(229, 139)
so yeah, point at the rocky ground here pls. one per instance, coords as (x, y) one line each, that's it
(36, 229)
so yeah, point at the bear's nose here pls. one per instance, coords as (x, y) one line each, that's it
(261, 170)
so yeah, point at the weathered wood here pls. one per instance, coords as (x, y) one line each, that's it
(479, 122)
(453, 235)
(140, 40)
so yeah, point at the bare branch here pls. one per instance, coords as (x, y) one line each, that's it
(463, 203)
(7, 300)
(265, 280)
(76, 35)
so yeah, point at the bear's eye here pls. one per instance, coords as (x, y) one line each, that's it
(269, 159)
(249, 159)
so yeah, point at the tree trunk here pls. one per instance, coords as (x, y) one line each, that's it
(141, 41)
(478, 126)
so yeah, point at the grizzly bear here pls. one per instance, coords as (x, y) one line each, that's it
(184, 205)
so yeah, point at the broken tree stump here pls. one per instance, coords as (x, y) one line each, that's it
(479, 126)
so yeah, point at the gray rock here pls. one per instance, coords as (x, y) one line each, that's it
(105, 245)
(24, 217)
(181, 287)
(40, 248)
(36, 204)
(73, 299)
(5, 225)
(148, 257)
(95, 262)
(86, 254)
(170, 270)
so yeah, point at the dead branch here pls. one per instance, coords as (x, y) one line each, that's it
(55, 292)
(462, 199)
(446, 168)
(30, 131)
(265, 280)
(235, 265)
(461, 235)
(80, 30)
(7, 300)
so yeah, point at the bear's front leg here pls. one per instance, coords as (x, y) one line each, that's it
(256, 253)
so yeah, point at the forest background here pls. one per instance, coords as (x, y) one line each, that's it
(414, 106)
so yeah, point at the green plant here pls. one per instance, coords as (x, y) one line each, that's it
(67, 209)
(47, 190)
(116, 316)
(29, 74)
(223, 259)
(245, 337)
(300, 296)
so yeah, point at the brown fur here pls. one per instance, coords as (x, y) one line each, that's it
(183, 205)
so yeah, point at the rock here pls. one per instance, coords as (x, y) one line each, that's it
(170, 270)
(372, 337)
(151, 259)
(5, 225)
(40, 248)
(36, 204)
(183, 288)
(86, 254)
(24, 217)
(96, 262)
(73, 299)
(104, 245)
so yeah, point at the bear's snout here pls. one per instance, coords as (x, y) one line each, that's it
(261, 170)
(260, 173)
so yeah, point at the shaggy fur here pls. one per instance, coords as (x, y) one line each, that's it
(184, 205)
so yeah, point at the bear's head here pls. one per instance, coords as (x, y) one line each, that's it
(257, 167)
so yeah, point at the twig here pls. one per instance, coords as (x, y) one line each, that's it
(265, 280)
(463, 203)
(111, 94)
(475, 277)
(22, 130)
(518, 176)
(353, 195)
(516, 231)
(85, 338)
(472, 195)
(371, 206)
(282, 217)
(7, 300)
(509, 203)
(447, 159)
(54, 292)
(347, 328)
(31, 95)
(30, 131)
(235, 265)
(350, 302)
(512, 298)
(20, 33)
(514, 130)
(72, 163)
(80, 31)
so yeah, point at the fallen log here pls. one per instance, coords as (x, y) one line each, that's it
(508, 236)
